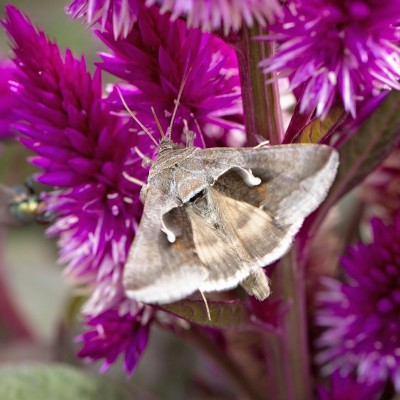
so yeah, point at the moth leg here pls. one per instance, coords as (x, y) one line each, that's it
(257, 284)
(262, 144)
(145, 160)
(133, 179)
(206, 305)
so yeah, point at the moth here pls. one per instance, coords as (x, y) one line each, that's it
(213, 218)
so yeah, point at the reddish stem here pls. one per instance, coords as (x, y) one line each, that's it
(262, 111)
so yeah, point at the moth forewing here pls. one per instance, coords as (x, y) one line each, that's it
(214, 217)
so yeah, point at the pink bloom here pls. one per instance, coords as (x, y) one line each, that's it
(7, 100)
(122, 14)
(337, 50)
(115, 333)
(361, 316)
(156, 57)
(211, 15)
(81, 147)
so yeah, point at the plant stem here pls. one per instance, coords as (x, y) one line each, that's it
(195, 335)
(289, 376)
(286, 352)
(262, 111)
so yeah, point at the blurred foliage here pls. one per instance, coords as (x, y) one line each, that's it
(50, 15)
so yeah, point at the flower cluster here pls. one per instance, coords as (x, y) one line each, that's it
(347, 387)
(206, 14)
(83, 148)
(117, 333)
(85, 145)
(361, 316)
(337, 50)
(122, 14)
(156, 57)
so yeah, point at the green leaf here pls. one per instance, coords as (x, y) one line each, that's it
(315, 130)
(364, 151)
(227, 314)
(39, 381)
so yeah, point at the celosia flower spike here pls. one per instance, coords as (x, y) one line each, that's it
(156, 57)
(209, 15)
(362, 316)
(337, 50)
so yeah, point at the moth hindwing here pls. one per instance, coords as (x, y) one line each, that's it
(213, 218)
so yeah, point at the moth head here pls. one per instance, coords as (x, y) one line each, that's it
(166, 144)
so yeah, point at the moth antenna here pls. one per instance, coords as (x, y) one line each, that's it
(136, 119)
(158, 123)
(178, 99)
(133, 179)
(145, 160)
(206, 304)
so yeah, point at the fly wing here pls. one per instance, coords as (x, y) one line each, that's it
(158, 270)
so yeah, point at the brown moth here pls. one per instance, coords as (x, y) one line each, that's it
(214, 218)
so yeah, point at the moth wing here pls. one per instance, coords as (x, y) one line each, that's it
(264, 217)
(295, 178)
(157, 271)
(240, 238)
(215, 248)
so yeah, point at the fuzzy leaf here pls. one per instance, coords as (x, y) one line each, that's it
(39, 381)
(227, 314)
(363, 151)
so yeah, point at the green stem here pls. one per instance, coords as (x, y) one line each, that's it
(262, 111)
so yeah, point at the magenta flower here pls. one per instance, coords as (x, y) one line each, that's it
(85, 149)
(334, 49)
(208, 15)
(362, 315)
(115, 333)
(121, 13)
(7, 99)
(211, 15)
(347, 387)
(154, 60)
(80, 147)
